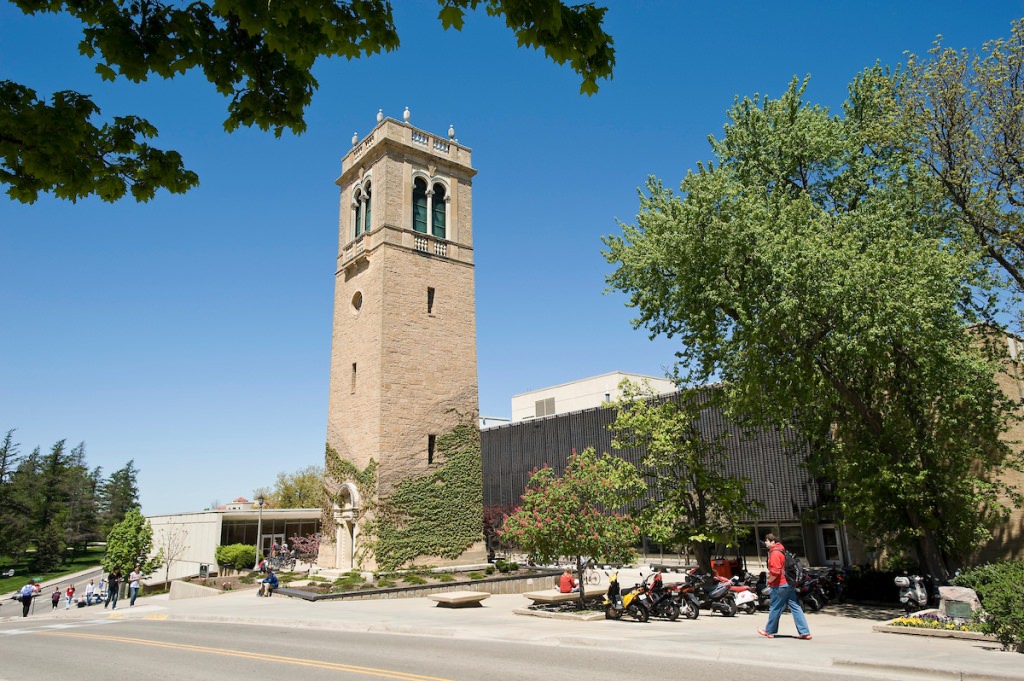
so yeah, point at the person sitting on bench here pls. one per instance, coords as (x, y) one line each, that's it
(268, 585)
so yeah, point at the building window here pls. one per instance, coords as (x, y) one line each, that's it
(353, 387)
(430, 300)
(361, 209)
(431, 442)
(419, 206)
(430, 208)
(544, 407)
(439, 213)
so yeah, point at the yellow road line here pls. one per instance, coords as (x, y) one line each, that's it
(369, 671)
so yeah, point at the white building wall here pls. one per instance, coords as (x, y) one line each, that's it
(582, 394)
(201, 538)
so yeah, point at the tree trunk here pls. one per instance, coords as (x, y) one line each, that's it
(702, 552)
(928, 550)
(579, 580)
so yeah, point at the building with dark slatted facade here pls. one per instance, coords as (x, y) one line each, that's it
(775, 473)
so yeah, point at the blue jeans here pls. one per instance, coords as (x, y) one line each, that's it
(781, 596)
(134, 591)
(111, 598)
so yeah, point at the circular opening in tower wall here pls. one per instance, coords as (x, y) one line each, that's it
(357, 301)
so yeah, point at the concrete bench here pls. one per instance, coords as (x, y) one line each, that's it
(553, 596)
(459, 599)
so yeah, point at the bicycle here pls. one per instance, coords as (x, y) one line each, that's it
(591, 575)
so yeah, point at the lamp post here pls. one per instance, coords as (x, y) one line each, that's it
(259, 531)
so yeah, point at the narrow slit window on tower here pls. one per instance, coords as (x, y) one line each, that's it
(430, 300)
(353, 389)
(431, 442)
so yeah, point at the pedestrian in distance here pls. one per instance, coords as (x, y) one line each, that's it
(69, 595)
(113, 584)
(782, 593)
(55, 597)
(134, 581)
(90, 592)
(27, 593)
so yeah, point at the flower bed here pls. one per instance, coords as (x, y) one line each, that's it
(933, 620)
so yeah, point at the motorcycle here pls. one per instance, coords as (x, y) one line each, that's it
(633, 602)
(711, 593)
(661, 601)
(913, 592)
(833, 586)
(810, 593)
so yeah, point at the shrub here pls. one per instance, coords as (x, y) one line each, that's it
(490, 570)
(237, 556)
(476, 575)
(414, 579)
(998, 586)
(445, 577)
(505, 565)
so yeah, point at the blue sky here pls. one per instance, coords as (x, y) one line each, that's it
(192, 334)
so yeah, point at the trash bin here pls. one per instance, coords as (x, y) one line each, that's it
(204, 571)
(722, 567)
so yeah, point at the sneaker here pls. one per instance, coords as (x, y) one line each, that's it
(765, 633)
(804, 637)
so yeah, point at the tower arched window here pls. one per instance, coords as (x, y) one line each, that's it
(361, 209)
(430, 208)
(439, 212)
(419, 205)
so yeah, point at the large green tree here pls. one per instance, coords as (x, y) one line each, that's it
(258, 54)
(118, 495)
(302, 489)
(965, 114)
(808, 268)
(582, 512)
(130, 543)
(694, 502)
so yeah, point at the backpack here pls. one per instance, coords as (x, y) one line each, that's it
(793, 570)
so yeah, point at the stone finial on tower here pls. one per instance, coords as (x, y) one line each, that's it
(406, 115)
(380, 115)
(451, 131)
(355, 138)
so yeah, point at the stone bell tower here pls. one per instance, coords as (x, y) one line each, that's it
(403, 358)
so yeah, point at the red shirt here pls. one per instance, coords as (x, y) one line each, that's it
(777, 565)
(566, 583)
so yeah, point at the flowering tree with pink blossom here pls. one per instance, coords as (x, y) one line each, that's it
(583, 512)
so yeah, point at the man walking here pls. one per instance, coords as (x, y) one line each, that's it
(782, 593)
(113, 584)
(27, 592)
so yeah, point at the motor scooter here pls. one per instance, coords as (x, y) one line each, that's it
(745, 597)
(913, 592)
(633, 602)
(661, 602)
(710, 593)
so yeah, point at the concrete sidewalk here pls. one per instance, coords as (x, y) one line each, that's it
(843, 637)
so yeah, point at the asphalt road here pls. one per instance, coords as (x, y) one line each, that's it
(119, 650)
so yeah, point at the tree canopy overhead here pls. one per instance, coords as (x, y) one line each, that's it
(966, 115)
(259, 55)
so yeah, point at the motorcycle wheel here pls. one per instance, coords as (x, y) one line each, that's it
(812, 603)
(612, 613)
(730, 608)
(750, 607)
(638, 612)
(690, 610)
(673, 612)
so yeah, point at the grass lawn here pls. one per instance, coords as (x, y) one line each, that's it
(83, 561)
